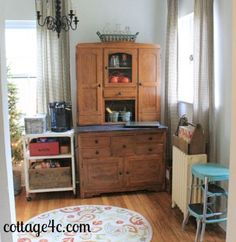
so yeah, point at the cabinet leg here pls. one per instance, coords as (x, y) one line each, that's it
(173, 204)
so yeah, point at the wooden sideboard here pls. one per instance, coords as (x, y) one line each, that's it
(121, 159)
(96, 87)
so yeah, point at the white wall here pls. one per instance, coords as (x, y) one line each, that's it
(223, 76)
(185, 7)
(20, 10)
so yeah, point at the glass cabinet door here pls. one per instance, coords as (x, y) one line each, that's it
(120, 67)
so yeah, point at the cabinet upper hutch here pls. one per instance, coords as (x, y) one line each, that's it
(118, 77)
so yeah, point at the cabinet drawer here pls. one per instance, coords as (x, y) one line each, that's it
(120, 92)
(94, 141)
(93, 153)
(154, 137)
(123, 145)
(149, 148)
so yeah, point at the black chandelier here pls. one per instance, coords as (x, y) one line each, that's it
(58, 22)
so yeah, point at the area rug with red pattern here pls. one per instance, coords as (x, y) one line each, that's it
(87, 223)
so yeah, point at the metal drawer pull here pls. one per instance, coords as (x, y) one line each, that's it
(97, 152)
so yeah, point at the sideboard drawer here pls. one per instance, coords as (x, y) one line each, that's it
(153, 137)
(149, 148)
(119, 92)
(94, 141)
(95, 152)
(122, 145)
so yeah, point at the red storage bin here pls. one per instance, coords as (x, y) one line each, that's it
(44, 148)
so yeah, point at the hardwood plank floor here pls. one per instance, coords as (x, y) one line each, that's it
(156, 207)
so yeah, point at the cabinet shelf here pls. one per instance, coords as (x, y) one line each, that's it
(120, 68)
(49, 157)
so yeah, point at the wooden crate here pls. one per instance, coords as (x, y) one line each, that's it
(197, 143)
(50, 178)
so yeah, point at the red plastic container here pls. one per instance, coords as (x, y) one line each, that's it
(44, 149)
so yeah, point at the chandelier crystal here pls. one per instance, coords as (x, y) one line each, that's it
(58, 22)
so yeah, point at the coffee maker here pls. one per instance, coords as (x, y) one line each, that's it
(60, 116)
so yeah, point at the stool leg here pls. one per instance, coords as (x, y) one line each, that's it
(198, 230)
(204, 210)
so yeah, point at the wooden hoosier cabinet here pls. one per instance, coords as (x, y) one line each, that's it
(116, 83)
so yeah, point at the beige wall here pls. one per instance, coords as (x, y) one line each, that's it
(231, 228)
(7, 201)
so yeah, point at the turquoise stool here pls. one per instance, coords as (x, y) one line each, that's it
(203, 212)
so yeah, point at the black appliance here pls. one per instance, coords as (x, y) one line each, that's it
(60, 116)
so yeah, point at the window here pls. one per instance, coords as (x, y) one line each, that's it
(185, 59)
(21, 54)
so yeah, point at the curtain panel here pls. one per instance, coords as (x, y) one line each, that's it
(171, 73)
(53, 79)
(204, 98)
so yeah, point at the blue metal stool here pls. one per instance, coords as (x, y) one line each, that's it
(203, 212)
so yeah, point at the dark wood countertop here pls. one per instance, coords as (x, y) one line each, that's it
(117, 127)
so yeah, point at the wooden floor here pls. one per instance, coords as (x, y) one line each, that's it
(156, 207)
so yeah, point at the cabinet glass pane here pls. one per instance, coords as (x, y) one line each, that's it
(120, 68)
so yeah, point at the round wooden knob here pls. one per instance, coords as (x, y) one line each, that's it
(150, 149)
(124, 146)
(96, 141)
(97, 152)
(150, 138)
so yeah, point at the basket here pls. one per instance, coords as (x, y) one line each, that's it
(50, 178)
(35, 124)
(117, 37)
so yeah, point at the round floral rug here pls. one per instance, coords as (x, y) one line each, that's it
(89, 223)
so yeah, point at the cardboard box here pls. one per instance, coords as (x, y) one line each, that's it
(44, 148)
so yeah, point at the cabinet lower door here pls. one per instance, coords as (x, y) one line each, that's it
(102, 174)
(145, 171)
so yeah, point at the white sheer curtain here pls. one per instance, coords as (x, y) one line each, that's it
(53, 79)
(204, 99)
(171, 72)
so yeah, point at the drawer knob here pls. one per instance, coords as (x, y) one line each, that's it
(96, 141)
(119, 93)
(97, 152)
(127, 172)
(124, 146)
(150, 138)
(120, 173)
(150, 149)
